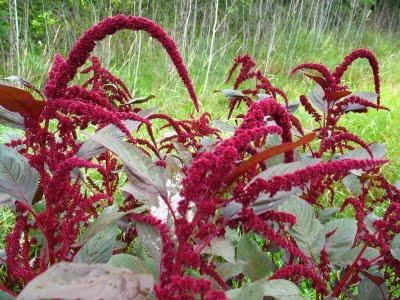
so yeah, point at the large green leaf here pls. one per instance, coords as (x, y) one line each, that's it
(151, 239)
(228, 270)
(257, 263)
(348, 257)
(368, 290)
(88, 282)
(308, 231)
(395, 246)
(324, 215)
(249, 291)
(99, 248)
(17, 178)
(221, 247)
(133, 263)
(342, 239)
(278, 289)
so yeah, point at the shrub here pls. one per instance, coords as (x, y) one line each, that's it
(151, 206)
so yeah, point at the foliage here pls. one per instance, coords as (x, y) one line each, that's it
(204, 208)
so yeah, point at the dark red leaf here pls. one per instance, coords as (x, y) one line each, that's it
(20, 101)
(318, 79)
(38, 196)
(375, 279)
(333, 96)
(264, 155)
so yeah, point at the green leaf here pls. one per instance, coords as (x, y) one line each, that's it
(230, 93)
(223, 126)
(264, 202)
(221, 247)
(257, 262)
(99, 248)
(353, 183)
(91, 147)
(17, 178)
(151, 239)
(343, 238)
(6, 296)
(369, 220)
(367, 290)
(141, 171)
(133, 263)
(83, 281)
(278, 289)
(228, 270)
(348, 257)
(108, 217)
(324, 215)
(308, 231)
(249, 291)
(395, 246)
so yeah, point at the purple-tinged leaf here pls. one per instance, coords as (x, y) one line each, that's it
(371, 97)
(11, 119)
(151, 239)
(17, 178)
(133, 263)
(141, 171)
(87, 282)
(257, 262)
(317, 98)
(229, 93)
(99, 248)
(342, 239)
(308, 232)
(395, 247)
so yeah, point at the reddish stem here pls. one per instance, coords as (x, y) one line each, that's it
(346, 277)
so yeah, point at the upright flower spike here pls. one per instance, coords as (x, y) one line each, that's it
(84, 46)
